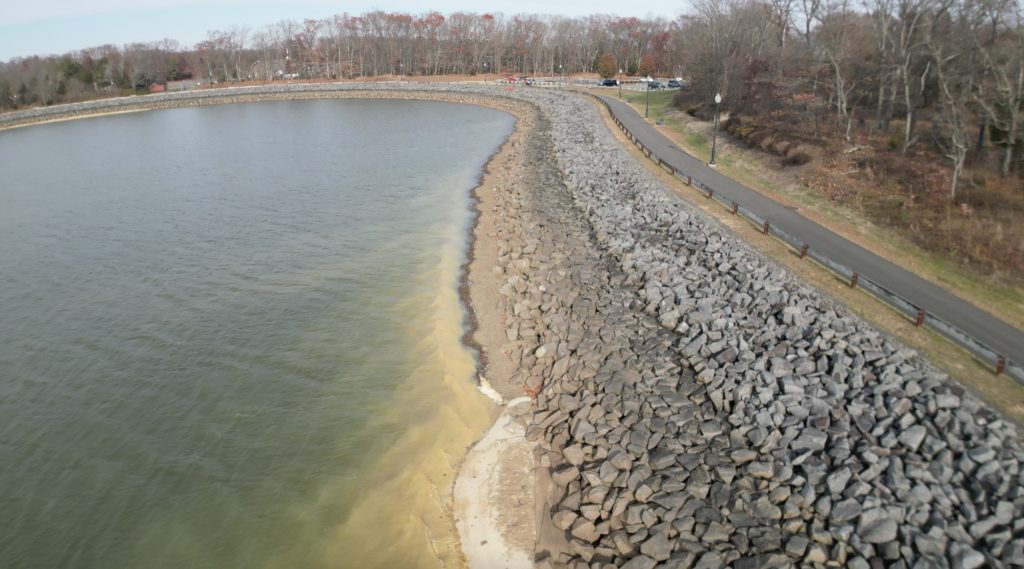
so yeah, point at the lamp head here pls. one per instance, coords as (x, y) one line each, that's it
(718, 98)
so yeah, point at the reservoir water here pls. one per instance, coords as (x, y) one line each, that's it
(230, 335)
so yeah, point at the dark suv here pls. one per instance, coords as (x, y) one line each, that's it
(608, 83)
(674, 84)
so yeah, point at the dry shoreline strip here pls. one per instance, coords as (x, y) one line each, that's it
(494, 498)
(698, 406)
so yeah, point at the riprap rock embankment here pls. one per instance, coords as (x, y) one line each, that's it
(701, 407)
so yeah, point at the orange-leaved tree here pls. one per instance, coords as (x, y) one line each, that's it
(606, 66)
(646, 65)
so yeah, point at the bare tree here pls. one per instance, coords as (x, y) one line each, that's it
(882, 16)
(1001, 94)
(954, 65)
(810, 13)
(727, 37)
(910, 48)
(835, 38)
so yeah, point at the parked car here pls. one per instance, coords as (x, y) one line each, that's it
(655, 85)
(674, 84)
(608, 83)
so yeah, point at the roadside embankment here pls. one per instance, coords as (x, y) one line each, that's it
(731, 415)
(698, 406)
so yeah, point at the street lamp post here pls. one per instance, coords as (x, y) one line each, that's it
(647, 104)
(619, 81)
(560, 77)
(714, 133)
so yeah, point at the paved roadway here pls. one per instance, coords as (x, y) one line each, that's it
(995, 333)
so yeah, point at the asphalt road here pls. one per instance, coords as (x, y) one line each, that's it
(996, 334)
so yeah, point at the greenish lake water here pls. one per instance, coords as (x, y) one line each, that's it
(230, 335)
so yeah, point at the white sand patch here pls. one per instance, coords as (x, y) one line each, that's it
(485, 387)
(494, 496)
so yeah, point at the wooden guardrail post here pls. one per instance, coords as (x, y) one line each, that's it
(803, 251)
(735, 208)
(1001, 365)
(854, 279)
(710, 194)
(764, 228)
(920, 318)
(689, 180)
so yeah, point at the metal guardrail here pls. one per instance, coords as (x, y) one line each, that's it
(918, 314)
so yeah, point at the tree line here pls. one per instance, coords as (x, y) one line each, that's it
(946, 73)
(352, 46)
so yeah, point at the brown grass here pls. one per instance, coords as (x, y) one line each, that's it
(980, 229)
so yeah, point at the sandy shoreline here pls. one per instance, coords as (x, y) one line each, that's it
(495, 493)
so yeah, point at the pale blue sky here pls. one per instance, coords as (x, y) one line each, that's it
(40, 27)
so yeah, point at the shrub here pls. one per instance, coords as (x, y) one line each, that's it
(895, 139)
(985, 197)
(684, 100)
(742, 132)
(888, 208)
(894, 142)
(757, 137)
(797, 159)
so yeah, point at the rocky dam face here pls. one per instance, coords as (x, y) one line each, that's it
(698, 406)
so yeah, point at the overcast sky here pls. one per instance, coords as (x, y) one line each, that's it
(41, 27)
